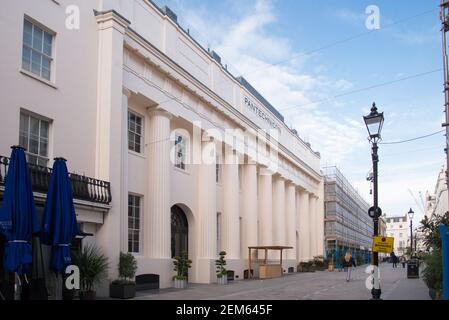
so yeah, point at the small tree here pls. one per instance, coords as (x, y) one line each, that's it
(221, 263)
(127, 268)
(181, 265)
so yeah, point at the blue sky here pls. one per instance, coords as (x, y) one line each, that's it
(253, 35)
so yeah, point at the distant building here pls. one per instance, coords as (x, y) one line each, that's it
(347, 225)
(437, 203)
(398, 228)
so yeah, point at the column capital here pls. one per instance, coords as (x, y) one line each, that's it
(113, 16)
(264, 171)
(152, 111)
(126, 92)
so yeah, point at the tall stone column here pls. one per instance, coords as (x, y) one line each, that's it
(313, 225)
(265, 203)
(290, 202)
(124, 173)
(231, 217)
(157, 219)
(279, 232)
(207, 213)
(320, 224)
(304, 228)
(249, 207)
(110, 157)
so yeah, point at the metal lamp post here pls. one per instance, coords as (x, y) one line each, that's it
(410, 216)
(374, 122)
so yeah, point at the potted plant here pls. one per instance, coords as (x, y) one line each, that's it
(303, 266)
(93, 266)
(222, 273)
(125, 286)
(181, 265)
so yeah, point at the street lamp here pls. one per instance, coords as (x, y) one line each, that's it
(410, 216)
(374, 122)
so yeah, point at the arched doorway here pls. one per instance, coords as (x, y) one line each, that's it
(179, 231)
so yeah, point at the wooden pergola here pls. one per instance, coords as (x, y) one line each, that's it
(267, 271)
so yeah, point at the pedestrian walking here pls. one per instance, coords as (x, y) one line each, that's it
(348, 262)
(394, 259)
(402, 260)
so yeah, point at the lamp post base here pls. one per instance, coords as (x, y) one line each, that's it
(376, 294)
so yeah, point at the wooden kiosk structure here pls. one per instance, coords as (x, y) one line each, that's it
(267, 271)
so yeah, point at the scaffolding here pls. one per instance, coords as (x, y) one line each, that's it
(347, 224)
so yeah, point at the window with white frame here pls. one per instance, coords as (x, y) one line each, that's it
(33, 136)
(37, 50)
(134, 209)
(135, 129)
(180, 151)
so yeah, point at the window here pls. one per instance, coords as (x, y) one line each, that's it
(37, 50)
(218, 170)
(400, 235)
(400, 226)
(134, 208)
(134, 132)
(180, 152)
(33, 136)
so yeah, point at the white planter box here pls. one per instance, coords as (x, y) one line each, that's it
(222, 279)
(180, 284)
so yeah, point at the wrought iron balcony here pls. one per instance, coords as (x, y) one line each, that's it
(83, 188)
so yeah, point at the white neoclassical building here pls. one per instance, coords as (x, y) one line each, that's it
(169, 151)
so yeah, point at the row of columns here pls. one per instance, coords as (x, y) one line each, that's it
(271, 217)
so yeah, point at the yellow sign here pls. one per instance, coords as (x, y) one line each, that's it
(383, 244)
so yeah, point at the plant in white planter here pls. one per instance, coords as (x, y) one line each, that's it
(222, 273)
(181, 265)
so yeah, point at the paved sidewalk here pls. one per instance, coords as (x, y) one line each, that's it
(303, 286)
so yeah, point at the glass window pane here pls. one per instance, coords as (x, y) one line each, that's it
(37, 39)
(24, 122)
(34, 145)
(46, 74)
(26, 58)
(47, 43)
(36, 63)
(43, 148)
(34, 126)
(23, 141)
(44, 129)
(27, 32)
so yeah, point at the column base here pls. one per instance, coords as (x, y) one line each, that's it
(204, 271)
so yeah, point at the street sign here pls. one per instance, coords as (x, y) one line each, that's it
(383, 244)
(374, 212)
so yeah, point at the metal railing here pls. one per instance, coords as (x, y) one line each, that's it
(83, 188)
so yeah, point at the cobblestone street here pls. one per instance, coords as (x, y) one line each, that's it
(303, 286)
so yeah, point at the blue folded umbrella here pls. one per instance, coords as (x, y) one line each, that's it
(59, 224)
(18, 220)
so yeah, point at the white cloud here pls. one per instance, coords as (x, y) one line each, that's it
(246, 43)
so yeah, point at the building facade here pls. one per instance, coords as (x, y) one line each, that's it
(183, 155)
(347, 224)
(437, 202)
(398, 228)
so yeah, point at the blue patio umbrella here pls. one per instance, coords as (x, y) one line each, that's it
(18, 219)
(59, 224)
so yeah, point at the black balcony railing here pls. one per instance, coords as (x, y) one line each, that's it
(83, 188)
